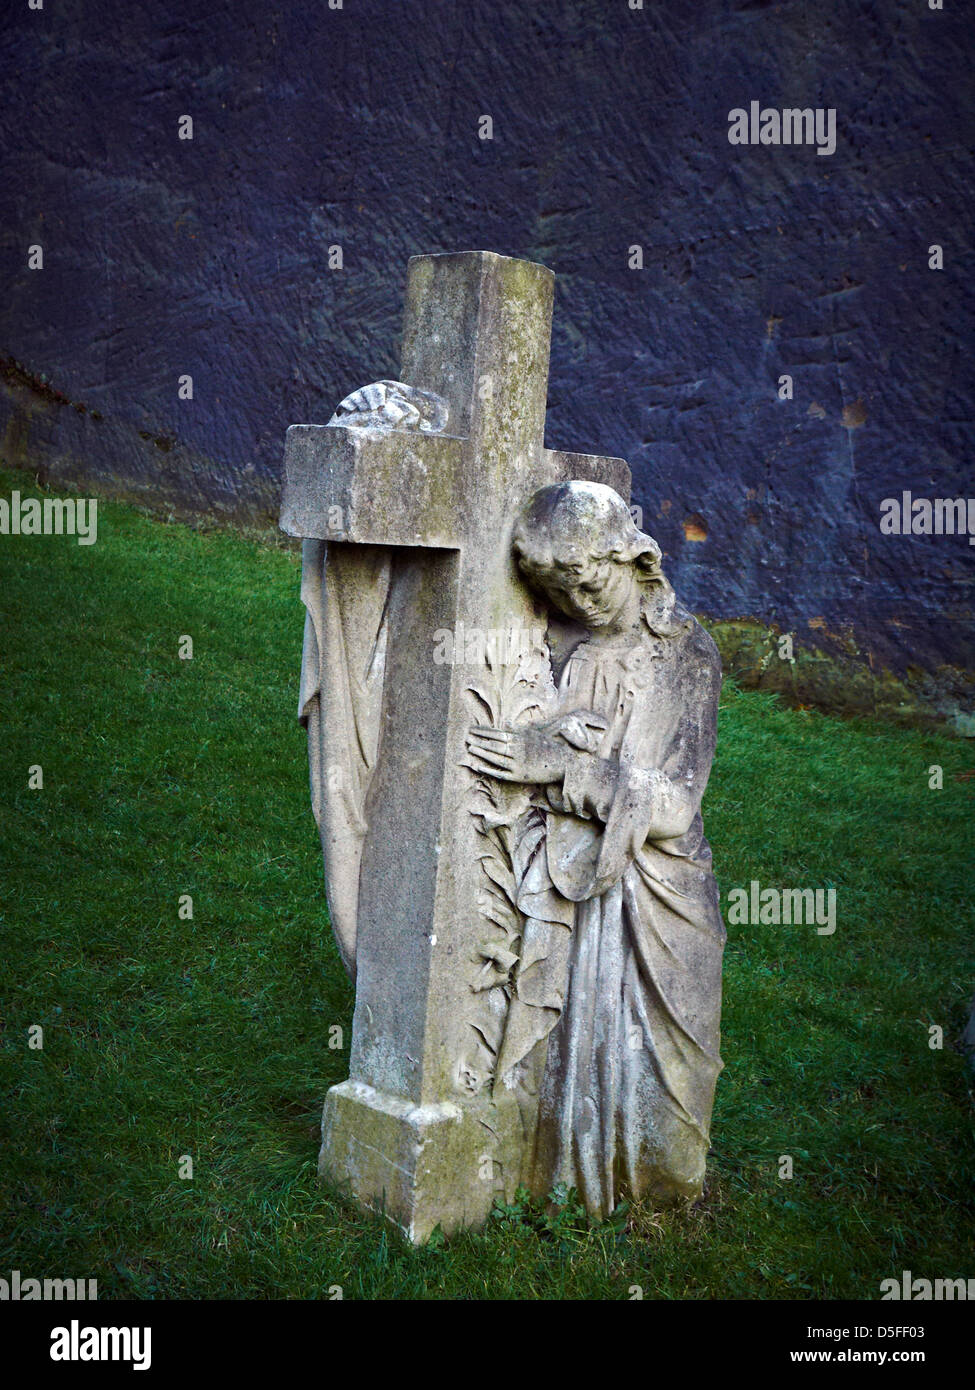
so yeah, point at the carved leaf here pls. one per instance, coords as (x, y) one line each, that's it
(512, 692)
(503, 918)
(503, 876)
(481, 694)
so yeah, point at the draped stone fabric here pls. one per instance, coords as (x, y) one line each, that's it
(619, 982)
(345, 590)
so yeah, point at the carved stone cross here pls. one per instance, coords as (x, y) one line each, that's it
(408, 556)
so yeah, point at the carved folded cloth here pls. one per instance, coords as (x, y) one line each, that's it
(345, 590)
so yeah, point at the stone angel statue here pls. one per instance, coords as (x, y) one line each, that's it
(614, 1001)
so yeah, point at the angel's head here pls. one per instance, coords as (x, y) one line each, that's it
(578, 544)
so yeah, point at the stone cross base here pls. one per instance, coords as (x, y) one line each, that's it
(414, 1162)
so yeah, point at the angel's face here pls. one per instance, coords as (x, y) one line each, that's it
(592, 592)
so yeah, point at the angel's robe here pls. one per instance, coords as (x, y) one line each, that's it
(616, 999)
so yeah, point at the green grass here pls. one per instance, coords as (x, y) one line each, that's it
(209, 1037)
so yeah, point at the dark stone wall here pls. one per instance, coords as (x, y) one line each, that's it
(359, 127)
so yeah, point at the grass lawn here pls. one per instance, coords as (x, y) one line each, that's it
(208, 1037)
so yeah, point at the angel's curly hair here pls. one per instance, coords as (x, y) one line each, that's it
(588, 518)
(589, 521)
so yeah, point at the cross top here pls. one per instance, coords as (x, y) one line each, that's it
(476, 331)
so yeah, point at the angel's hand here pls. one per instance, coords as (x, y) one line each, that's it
(517, 755)
(582, 729)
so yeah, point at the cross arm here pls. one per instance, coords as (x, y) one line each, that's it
(372, 486)
(591, 468)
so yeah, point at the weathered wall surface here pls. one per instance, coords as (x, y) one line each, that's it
(358, 127)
